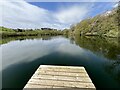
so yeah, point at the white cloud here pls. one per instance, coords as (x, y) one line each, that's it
(24, 15)
(72, 14)
(114, 6)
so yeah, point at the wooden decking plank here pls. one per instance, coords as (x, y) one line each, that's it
(64, 78)
(61, 73)
(62, 70)
(59, 67)
(61, 83)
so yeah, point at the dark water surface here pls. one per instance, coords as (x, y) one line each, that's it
(100, 57)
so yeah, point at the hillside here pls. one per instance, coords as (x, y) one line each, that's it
(105, 24)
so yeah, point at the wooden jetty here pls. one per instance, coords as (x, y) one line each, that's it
(72, 77)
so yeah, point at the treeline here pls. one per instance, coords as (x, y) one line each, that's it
(106, 24)
(7, 32)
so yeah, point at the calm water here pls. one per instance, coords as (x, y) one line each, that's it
(100, 57)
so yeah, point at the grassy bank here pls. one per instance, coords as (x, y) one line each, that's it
(7, 32)
(104, 25)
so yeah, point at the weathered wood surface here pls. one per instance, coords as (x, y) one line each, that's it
(47, 76)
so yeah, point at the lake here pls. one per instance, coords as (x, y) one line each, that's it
(22, 56)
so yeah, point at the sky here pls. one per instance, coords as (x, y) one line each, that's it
(58, 15)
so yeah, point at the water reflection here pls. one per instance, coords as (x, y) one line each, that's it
(109, 47)
(27, 50)
(8, 39)
(22, 57)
